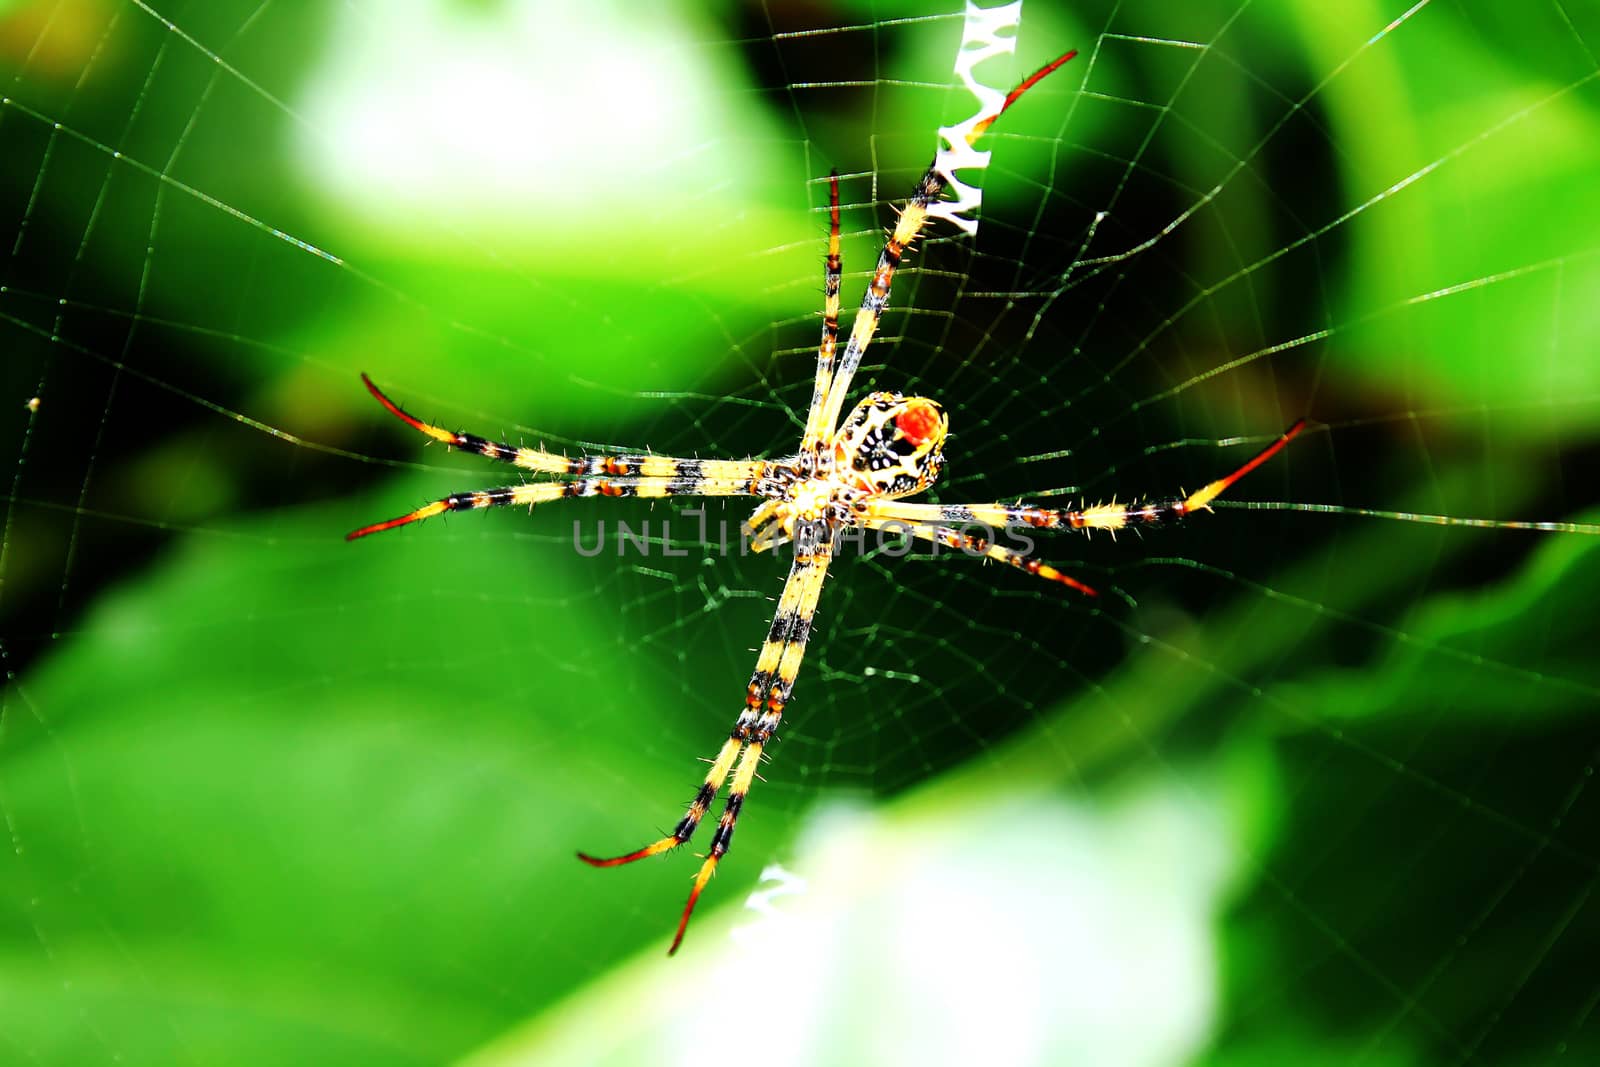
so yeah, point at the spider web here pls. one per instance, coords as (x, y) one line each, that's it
(1306, 784)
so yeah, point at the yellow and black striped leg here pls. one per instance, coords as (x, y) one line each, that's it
(763, 530)
(765, 698)
(913, 216)
(721, 840)
(1111, 516)
(544, 492)
(809, 573)
(828, 349)
(980, 546)
(533, 459)
(760, 681)
(691, 818)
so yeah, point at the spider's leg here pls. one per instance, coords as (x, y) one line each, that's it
(811, 572)
(979, 546)
(771, 654)
(697, 807)
(913, 217)
(533, 459)
(763, 530)
(827, 350)
(543, 492)
(1099, 517)
(765, 698)
(769, 538)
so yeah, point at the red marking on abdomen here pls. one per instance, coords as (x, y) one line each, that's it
(917, 422)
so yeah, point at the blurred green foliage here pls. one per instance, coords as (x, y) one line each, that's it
(1322, 796)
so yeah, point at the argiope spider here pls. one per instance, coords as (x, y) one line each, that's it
(852, 473)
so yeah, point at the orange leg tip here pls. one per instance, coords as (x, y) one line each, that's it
(1044, 570)
(426, 512)
(1204, 497)
(1086, 590)
(389, 405)
(1038, 76)
(378, 527)
(683, 924)
(1014, 95)
(644, 853)
(447, 436)
(706, 870)
(381, 397)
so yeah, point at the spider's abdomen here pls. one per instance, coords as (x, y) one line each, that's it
(892, 445)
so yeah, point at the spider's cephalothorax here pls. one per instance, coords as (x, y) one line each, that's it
(891, 445)
(888, 446)
(848, 471)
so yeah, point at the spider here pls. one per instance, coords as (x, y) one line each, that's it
(849, 473)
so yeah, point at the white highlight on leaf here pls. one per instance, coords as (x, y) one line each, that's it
(776, 881)
(1063, 919)
(980, 39)
(438, 113)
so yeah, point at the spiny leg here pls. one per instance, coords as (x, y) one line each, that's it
(811, 572)
(766, 664)
(534, 459)
(543, 492)
(793, 616)
(827, 349)
(1111, 516)
(912, 219)
(765, 698)
(697, 807)
(764, 528)
(980, 546)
